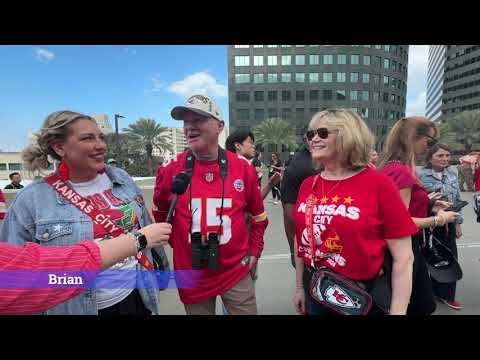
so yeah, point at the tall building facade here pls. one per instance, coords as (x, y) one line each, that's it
(293, 82)
(453, 81)
(461, 84)
(435, 76)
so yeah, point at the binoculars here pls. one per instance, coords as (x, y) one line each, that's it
(201, 252)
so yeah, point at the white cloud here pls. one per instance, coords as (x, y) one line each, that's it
(157, 84)
(417, 79)
(199, 83)
(43, 55)
(130, 51)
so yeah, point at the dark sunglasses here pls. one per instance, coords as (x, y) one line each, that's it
(431, 141)
(321, 132)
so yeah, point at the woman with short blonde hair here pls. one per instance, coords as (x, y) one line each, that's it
(344, 218)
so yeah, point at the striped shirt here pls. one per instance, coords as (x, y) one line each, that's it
(82, 256)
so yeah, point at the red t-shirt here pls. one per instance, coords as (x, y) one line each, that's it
(242, 195)
(403, 178)
(351, 221)
(2, 206)
(476, 177)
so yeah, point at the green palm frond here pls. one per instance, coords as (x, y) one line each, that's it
(275, 131)
(462, 131)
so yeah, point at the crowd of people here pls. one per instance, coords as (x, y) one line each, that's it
(368, 234)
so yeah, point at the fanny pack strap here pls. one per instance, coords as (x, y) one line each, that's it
(89, 209)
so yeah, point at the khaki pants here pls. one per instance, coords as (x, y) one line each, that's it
(239, 300)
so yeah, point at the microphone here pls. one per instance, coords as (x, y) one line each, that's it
(179, 186)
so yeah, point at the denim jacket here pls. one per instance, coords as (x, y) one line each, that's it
(448, 185)
(38, 209)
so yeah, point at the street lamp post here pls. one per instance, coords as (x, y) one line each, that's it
(117, 116)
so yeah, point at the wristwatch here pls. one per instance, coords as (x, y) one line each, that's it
(140, 240)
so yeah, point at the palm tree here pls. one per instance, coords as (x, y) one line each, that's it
(149, 135)
(461, 131)
(275, 131)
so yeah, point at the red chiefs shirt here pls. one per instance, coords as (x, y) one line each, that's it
(351, 220)
(242, 195)
(403, 178)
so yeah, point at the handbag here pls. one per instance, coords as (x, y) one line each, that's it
(337, 292)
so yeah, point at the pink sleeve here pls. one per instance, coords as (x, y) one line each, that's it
(400, 175)
(82, 256)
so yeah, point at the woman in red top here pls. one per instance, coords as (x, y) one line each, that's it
(409, 138)
(357, 212)
(86, 255)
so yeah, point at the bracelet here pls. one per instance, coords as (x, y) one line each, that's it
(435, 220)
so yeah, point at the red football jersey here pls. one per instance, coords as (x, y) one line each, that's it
(237, 239)
(351, 220)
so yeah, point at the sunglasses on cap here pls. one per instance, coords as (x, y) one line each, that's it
(321, 132)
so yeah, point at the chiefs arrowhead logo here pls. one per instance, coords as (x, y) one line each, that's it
(336, 296)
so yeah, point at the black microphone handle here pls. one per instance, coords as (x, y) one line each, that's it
(171, 208)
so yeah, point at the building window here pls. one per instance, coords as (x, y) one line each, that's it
(258, 61)
(365, 113)
(313, 77)
(285, 46)
(366, 60)
(394, 65)
(259, 115)
(258, 46)
(376, 96)
(299, 114)
(272, 78)
(385, 80)
(353, 77)
(272, 95)
(258, 78)
(366, 78)
(354, 59)
(272, 60)
(386, 64)
(327, 59)
(392, 98)
(341, 77)
(272, 46)
(314, 95)
(243, 114)
(299, 59)
(314, 59)
(286, 59)
(258, 95)
(286, 77)
(387, 48)
(378, 47)
(300, 95)
(341, 95)
(341, 59)
(272, 113)
(286, 95)
(354, 109)
(393, 83)
(243, 96)
(376, 80)
(242, 78)
(353, 95)
(365, 96)
(242, 46)
(377, 61)
(385, 97)
(300, 77)
(327, 77)
(3, 167)
(327, 94)
(242, 60)
(286, 114)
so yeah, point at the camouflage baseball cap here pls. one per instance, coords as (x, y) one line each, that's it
(199, 104)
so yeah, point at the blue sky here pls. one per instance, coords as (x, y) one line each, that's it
(134, 81)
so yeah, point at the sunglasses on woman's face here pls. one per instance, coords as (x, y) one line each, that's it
(431, 140)
(321, 132)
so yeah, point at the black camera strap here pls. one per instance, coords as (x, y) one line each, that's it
(223, 165)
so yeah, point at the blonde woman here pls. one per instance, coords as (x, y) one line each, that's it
(348, 214)
(84, 199)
